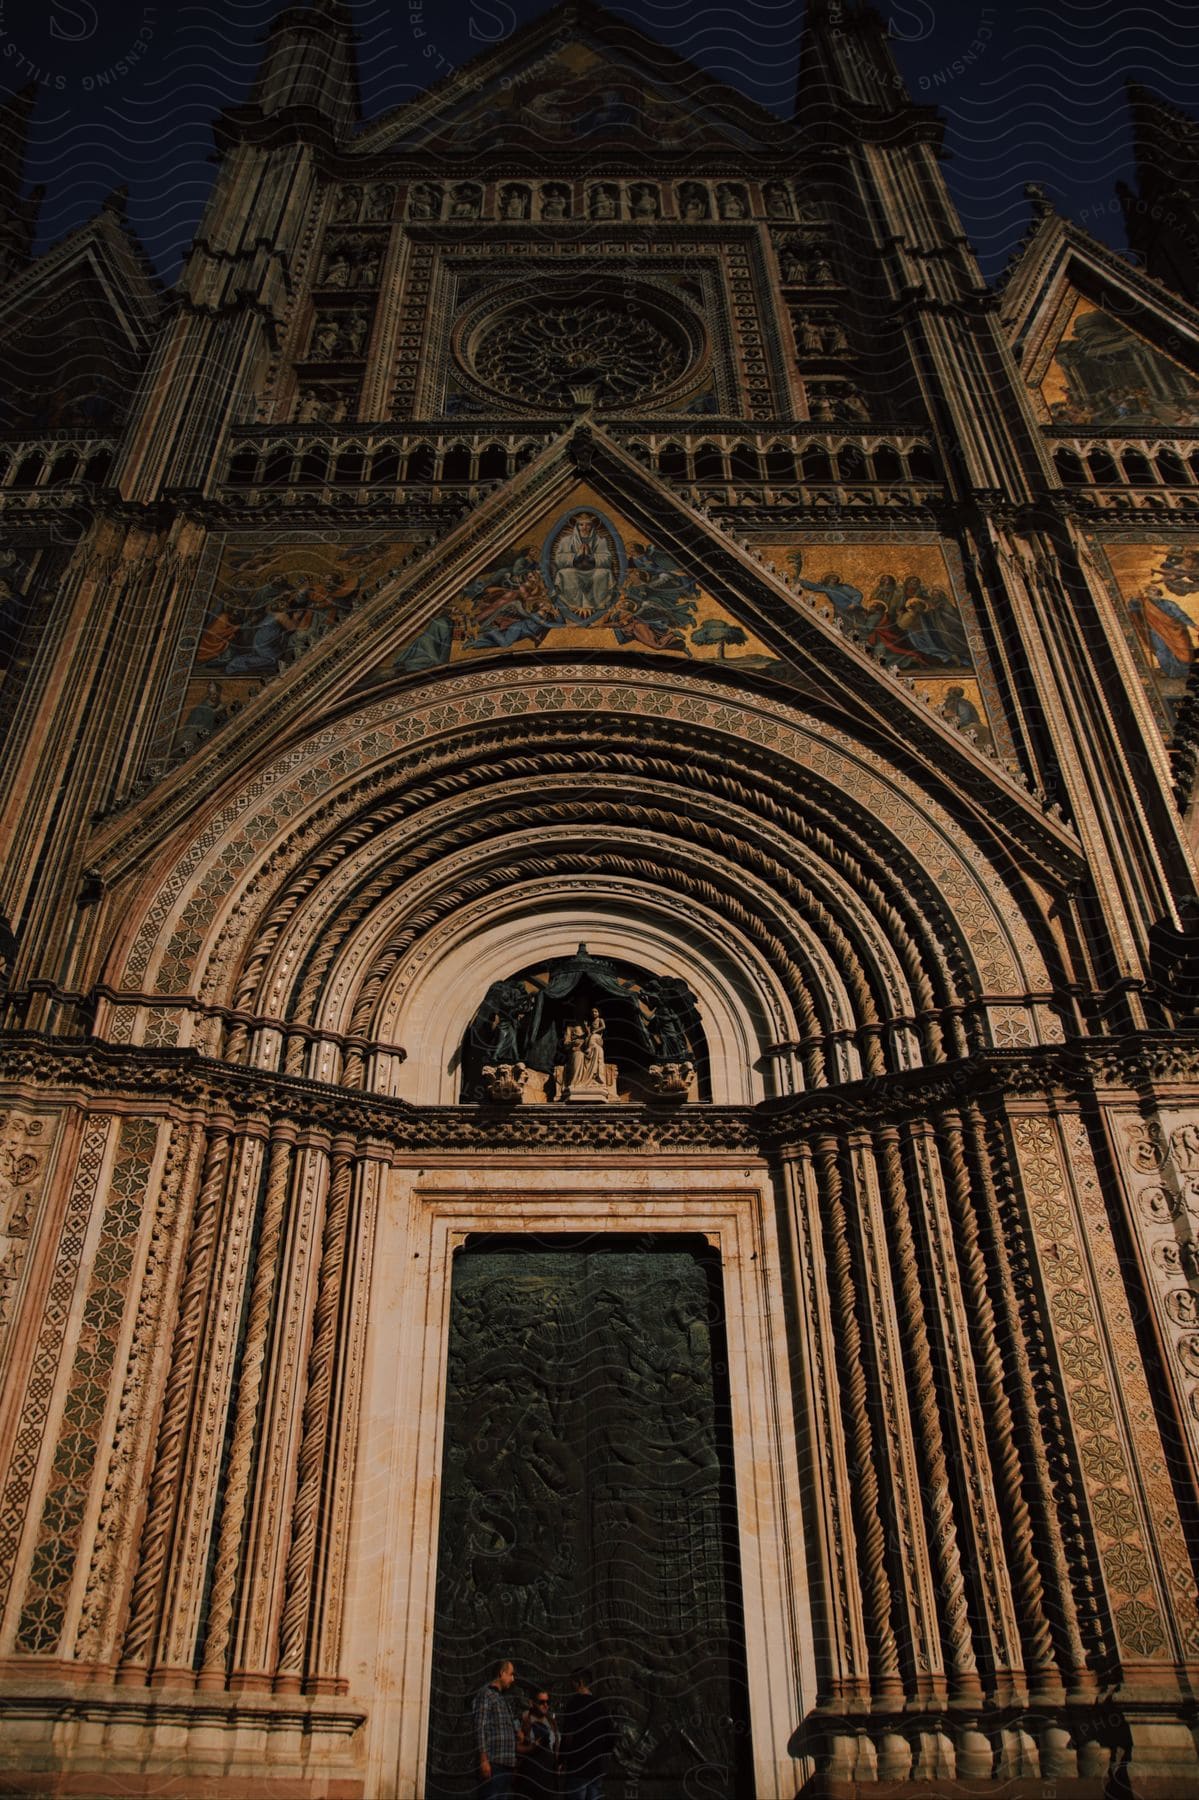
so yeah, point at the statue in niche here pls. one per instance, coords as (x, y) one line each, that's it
(326, 337)
(604, 203)
(694, 202)
(793, 263)
(466, 201)
(673, 1019)
(585, 1027)
(645, 202)
(337, 271)
(424, 202)
(514, 203)
(379, 202)
(730, 202)
(586, 1073)
(778, 200)
(495, 1027)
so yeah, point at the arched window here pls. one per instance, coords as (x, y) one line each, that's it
(65, 469)
(888, 464)
(243, 467)
(314, 466)
(744, 464)
(385, 467)
(709, 464)
(421, 464)
(816, 464)
(350, 467)
(29, 471)
(277, 469)
(1070, 468)
(493, 463)
(851, 464)
(1136, 469)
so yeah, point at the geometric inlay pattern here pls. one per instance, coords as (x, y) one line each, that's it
(1109, 1481)
(14, 1505)
(56, 1551)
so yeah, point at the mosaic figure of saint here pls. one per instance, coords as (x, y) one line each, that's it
(584, 563)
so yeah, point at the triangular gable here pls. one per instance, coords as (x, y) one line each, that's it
(581, 578)
(105, 255)
(575, 82)
(675, 588)
(1101, 345)
(1101, 374)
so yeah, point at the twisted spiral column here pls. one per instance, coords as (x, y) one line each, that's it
(148, 1582)
(876, 1586)
(962, 1665)
(1005, 1458)
(293, 1630)
(241, 1448)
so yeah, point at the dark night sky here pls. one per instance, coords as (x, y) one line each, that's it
(1030, 92)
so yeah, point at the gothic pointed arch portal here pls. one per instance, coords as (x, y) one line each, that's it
(324, 929)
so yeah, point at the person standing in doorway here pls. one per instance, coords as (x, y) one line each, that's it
(495, 1731)
(588, 1737)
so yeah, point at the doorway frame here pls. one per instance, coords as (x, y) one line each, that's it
(427, 1213)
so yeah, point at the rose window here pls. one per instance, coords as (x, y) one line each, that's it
(558, 351)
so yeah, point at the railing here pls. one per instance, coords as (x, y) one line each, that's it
(712, 466)
(1149, 471)
(55, 460)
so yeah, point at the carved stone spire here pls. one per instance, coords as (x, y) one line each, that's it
(308, 65)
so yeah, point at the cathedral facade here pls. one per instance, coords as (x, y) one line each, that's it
(599, 953)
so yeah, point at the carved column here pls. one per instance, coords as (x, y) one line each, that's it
(982, 1316)
(1011, 1348)
(845, 1673)
(316, 1427)
(236, 1484)
(914, 1326)
(164, 1495)
(202, 1466)
(255, 1631)
(886, 1679)
(116, 1523)
(333, 1542)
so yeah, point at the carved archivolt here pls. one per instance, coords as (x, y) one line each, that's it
(862, 906)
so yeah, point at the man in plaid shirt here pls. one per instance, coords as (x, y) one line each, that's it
(495, 1735)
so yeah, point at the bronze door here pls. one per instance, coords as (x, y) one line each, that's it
(587, 1510)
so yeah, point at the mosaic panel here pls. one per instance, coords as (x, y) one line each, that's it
(1158, 586)
(260, 604)
(1102, 374)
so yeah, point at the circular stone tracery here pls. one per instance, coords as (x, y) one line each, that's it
(554, 349)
